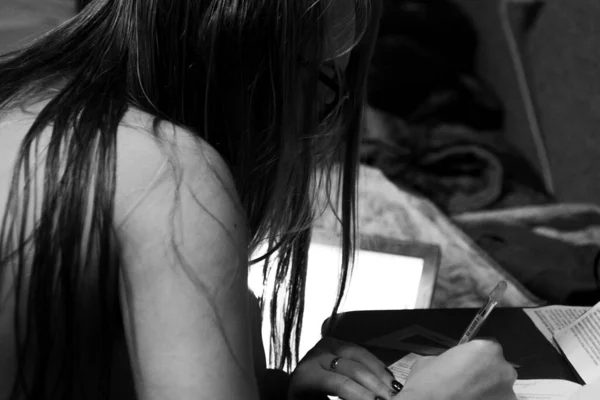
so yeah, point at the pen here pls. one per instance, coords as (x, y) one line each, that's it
(484, 312)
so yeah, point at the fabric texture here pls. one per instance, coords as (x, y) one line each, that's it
(23, 20)
(458, 168)
(467, 274)
(423, 67)
(553, 249)
(564, 72)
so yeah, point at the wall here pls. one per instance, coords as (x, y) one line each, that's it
(23, 20)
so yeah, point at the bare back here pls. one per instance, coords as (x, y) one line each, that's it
(140, 174)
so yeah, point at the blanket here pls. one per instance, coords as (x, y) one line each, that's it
(554, 250)
(466, 275)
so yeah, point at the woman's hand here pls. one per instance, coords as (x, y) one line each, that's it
(473, 371)
(341, 369)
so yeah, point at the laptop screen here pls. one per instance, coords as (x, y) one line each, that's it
(387, 275)
(379, 281)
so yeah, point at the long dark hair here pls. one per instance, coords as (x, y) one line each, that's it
(226, 70)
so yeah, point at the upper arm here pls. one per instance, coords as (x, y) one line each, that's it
(184, 283)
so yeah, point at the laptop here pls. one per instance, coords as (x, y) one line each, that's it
(388, 274)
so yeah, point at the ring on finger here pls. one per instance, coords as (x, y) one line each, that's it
(334, 363)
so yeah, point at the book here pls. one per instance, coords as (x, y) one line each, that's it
(580, 344)
(552, 319)
(575, 332)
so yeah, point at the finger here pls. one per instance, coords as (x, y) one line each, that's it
(358, 354)
(487, 339)
(373, 364)
(422, 362)
(363, 376)
(489, 346)
(361, 355)
(511, 373)
(496, 346)
(344, 387)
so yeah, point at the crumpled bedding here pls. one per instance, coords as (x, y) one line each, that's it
(458, 168)
(554, 250)
(466, 275)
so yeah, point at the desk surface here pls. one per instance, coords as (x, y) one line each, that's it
(522, 342)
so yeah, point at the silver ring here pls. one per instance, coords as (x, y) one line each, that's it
(334, 363)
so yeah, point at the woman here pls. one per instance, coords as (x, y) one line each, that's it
(148, 146)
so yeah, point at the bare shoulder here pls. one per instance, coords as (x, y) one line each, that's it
(170, 154)
(172, 187)
(183, 247)
(175, 193)
(184, 281)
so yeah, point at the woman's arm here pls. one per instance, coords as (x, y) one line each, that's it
(184, 276)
